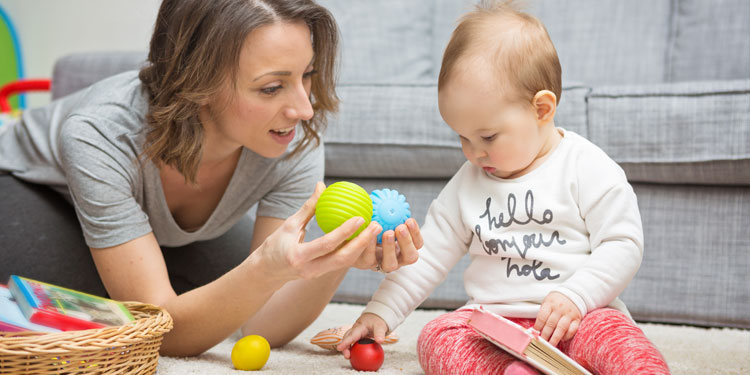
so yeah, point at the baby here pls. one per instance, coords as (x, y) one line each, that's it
(549, 220)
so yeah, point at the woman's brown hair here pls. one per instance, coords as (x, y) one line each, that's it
(195, 49)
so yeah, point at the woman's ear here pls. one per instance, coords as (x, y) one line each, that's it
(545, 104)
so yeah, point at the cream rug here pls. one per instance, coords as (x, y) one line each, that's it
(688, 350)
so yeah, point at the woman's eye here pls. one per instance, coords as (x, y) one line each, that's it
(270, 90)
(309, 74)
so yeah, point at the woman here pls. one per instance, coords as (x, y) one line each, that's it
(226, 113)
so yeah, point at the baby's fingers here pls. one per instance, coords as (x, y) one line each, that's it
(542, 316)
(561, 330)
(572, 330)
(379, 333)
(351, 336)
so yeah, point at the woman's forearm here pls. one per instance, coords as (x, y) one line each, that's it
(205, 316)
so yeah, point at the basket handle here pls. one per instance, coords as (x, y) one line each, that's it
(19, 86)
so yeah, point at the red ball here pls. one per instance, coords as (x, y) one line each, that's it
(366, 355)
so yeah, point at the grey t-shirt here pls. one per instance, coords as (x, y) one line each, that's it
(86, 145)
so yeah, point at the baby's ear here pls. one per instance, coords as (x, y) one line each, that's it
(545, 103)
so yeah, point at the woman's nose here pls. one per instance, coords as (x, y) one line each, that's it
(301, 107)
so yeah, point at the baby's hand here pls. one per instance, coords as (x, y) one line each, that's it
(367, 325)
(558, 318)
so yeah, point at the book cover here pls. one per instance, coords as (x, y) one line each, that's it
(11, 317)
(65, 309)
(524, 344)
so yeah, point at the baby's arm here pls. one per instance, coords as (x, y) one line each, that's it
(403, 290)
(447, 240)
(616, 238)
(609, 208)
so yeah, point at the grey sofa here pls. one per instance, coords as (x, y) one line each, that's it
(663, 86)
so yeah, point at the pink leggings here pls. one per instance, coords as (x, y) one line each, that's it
(607, 342)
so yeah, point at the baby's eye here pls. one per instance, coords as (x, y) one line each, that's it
(490, 138)
(270, 90)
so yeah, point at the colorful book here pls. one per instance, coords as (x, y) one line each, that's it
(65, 309)
(524, 344)
(11, 317)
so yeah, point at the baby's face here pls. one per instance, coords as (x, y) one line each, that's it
(502, 137)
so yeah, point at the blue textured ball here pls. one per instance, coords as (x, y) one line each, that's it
(389, 209)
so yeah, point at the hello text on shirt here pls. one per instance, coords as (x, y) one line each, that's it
(494, 245)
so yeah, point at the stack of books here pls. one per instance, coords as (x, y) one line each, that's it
(31, 305)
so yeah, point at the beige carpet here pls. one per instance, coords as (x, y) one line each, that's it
(688, 350)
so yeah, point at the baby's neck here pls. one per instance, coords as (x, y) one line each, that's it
(554, 136)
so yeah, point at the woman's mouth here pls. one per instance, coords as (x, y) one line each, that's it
(283, 136)
(283, 132)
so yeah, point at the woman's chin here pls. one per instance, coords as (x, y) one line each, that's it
(269, 152)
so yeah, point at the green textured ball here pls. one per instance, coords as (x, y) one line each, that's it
(340, 202)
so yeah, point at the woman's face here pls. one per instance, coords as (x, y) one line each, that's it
(271, 96)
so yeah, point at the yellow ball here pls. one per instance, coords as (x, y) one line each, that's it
(250, 353)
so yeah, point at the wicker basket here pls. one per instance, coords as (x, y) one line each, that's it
(126, 349)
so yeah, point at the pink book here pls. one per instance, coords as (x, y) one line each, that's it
(524, 344)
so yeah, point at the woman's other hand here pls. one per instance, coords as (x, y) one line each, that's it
(399, 249)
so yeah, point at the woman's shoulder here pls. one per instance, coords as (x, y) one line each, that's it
(111, 111)
(116, 98)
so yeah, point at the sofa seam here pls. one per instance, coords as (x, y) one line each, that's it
(672, 34)
(671, 95)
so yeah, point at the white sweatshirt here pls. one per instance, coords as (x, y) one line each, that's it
(571, 225)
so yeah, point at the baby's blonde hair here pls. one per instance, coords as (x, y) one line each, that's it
(512, 42)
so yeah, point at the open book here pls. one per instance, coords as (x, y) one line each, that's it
(524, 344)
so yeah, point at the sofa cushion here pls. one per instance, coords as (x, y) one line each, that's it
(571, 112)
(598, 42)
(447, 13)
(674, 132)
(608, 42)
(79, 70)
(384, 41)
(711, 40)
(387, 131)
(695, 263)
(396, 131)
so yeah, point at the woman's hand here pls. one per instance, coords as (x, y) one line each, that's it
(368, 325)
(399, 249)
(285, 257)
(558, 318)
